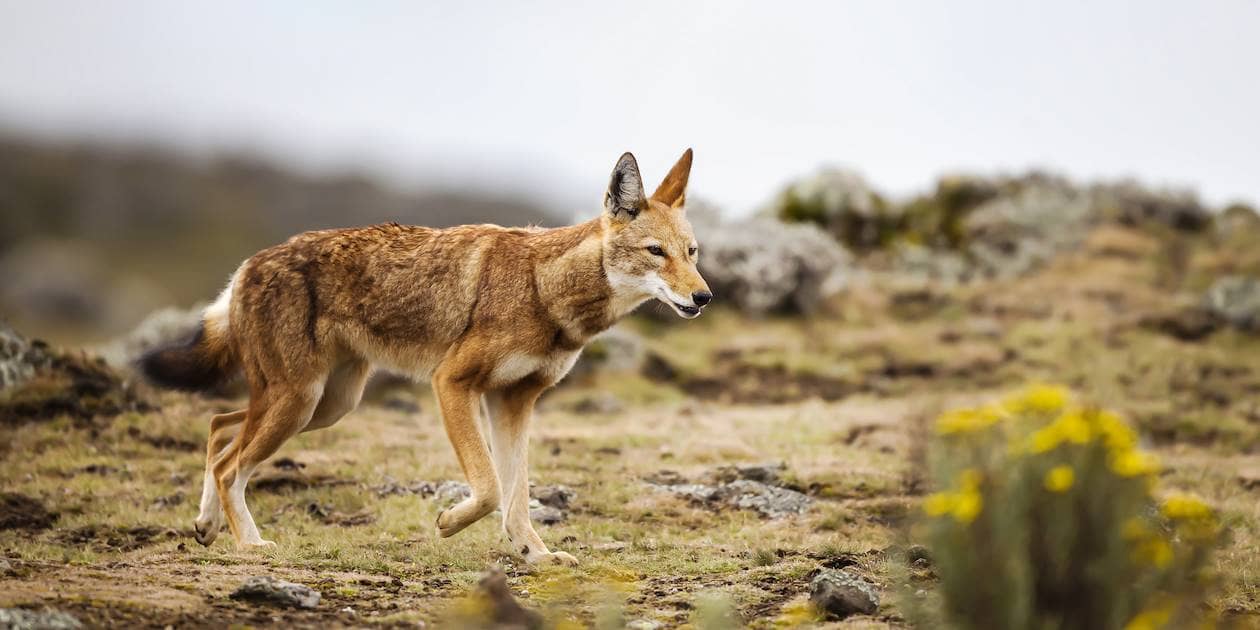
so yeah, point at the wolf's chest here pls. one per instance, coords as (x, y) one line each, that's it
(549, 367)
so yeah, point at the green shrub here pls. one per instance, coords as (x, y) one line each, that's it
(1046, 517)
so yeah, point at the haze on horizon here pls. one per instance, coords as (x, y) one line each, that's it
(543, 97)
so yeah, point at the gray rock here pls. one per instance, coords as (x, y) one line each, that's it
(19, 357)
(838, 593)
(47, 619)
(451, 491)
(841, 202)
(505, 611)
(617, 349)
(762, 265)
(269, 590)
(767, 500)
(1236, 300)
(1024, 227)
(557, 496)
(1133, 204)
(767, 473)
(598, 403)
(644, 624)
(547, 515)
(161, 327)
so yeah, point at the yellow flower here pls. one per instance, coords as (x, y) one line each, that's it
(1060, 478)
(1155, 551)
(1135, 528)
(1133, 463)
(1073, 427)
(1045, 439)
(967, 506)
(969, 479)
(1152, 618)
(1185, 507)
(1117, 435)
(938, 504)
(1039, 398)
(967, 420)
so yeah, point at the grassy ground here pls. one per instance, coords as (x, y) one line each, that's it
(842, 400)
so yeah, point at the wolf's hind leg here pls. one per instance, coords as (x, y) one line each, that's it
(286, 409)
(210, 518)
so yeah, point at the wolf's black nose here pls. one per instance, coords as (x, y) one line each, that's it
(702, 297)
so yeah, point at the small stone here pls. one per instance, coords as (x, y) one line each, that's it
(644, 624)
(505, 611)
(452, 492)
(615, 545)
(47, 619)
(547, 515)
(918, 555)
(270, 590)
(557, 496)
(838, 593)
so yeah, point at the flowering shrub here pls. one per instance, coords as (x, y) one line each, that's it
(1046, 517)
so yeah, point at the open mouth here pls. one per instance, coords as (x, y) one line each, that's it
(689, 311)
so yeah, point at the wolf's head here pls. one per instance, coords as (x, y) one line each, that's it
(649, 248)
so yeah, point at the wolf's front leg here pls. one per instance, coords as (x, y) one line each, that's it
(459, 414)
(511, 412)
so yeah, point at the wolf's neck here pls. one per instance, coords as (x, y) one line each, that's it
(572, 285)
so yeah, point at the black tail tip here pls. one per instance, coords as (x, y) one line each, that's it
(185, 365)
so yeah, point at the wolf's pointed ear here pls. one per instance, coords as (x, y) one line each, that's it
(624, 199)
(673, 189)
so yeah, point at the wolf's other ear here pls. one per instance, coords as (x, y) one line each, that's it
(673, 189)
(624, 199)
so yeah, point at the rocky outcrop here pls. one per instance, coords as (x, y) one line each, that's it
(40, 383)
(762, 265)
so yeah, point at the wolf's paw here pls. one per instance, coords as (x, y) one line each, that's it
(205, 532)
(256, 544)
(552, 557)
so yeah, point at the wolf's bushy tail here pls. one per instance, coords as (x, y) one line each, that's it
(203, 361)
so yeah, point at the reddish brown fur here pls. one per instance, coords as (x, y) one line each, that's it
(484, 310)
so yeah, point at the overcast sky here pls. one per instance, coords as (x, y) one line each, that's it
(543, 96)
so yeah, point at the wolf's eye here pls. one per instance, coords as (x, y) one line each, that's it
(691, 251)
(655, 250)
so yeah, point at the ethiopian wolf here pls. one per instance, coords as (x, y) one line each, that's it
(481, 310)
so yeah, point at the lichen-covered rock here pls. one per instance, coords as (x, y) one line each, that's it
(546, 515)
(1134, 204)
(839, 593)
(270, 590)
(19, 357)
(47, 619)
(842, 203)
(161, 327)
(736, 487)
(39, 383)
(1236, 300)
(1033, 220)
(557, 496)
(617, 349)
(762, 265)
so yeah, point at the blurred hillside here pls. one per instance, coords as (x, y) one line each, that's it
(93, 236)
